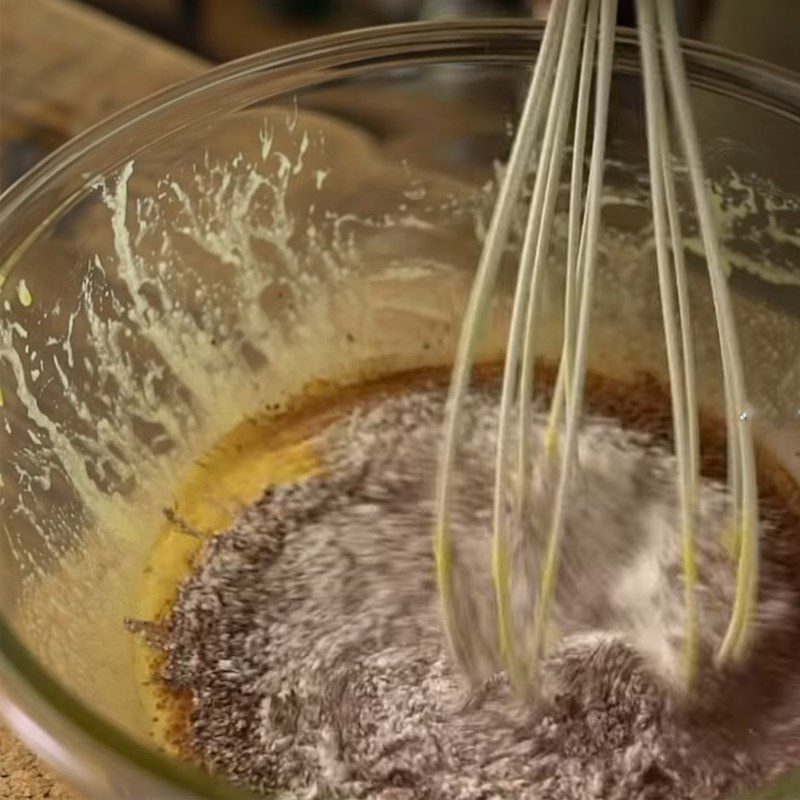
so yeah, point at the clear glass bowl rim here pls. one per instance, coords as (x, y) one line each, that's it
(311, 62)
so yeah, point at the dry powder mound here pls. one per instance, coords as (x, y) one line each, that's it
(310, 642)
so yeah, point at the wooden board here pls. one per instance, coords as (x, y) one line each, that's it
(22, 775)
(64, 67)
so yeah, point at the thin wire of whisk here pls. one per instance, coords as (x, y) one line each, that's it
(573, 233)
(573, 29)
(741, 455)
(519, 353)
(585, 267)
(547, 89)
(680, 358)
(495, 243)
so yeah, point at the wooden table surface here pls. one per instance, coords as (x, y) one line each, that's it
(64, 67)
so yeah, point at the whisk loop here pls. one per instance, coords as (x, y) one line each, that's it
(495, 241)
(577, 46)
(671, 273)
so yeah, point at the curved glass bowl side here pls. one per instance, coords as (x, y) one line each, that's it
(46, 716)
(35, 203)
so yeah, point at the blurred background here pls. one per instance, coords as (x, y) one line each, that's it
(67, 64)
(224, 29)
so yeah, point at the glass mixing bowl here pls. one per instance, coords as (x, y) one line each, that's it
(308, 215)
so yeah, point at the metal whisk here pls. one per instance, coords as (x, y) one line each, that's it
(573, 71)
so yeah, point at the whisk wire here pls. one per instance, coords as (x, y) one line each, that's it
(534, 250)
(684, 314)
(494, 246)
(562, 388)
(740, 444)
(579, 41)
(543, 244)
(588, 257)
(669, 276)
